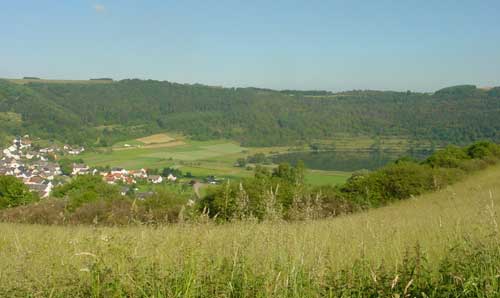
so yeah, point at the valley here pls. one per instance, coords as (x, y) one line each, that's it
(249, 149)
(328, 161)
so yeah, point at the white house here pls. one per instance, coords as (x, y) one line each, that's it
(155, 179)
(141, 174)
(171, 177)
(43, 189)
(24, 143)
(76, 151)
(80, 169)
(119, 171)
(13, 164)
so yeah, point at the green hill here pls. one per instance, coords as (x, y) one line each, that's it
(82, 112)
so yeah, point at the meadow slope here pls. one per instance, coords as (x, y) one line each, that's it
(443, 244)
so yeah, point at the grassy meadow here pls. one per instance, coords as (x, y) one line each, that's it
(444, 244)
(200, 158)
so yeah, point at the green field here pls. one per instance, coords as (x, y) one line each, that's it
(316, 177)
(444, 244)
(200, 158)
(218, 157)
(135, 158)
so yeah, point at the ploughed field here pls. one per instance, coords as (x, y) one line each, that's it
(443, 244)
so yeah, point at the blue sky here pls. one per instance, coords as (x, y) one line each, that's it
(332, 45)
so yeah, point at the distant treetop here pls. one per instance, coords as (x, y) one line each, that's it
(460, 90)
(101, 79)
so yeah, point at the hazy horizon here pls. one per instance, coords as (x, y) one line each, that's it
(318, 45)
(241, 86)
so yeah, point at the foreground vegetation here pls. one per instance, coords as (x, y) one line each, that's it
(444, 244)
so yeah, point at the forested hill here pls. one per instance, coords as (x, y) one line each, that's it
(102, 113)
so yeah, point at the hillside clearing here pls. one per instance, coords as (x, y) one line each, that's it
(150, 146)
(155, 139)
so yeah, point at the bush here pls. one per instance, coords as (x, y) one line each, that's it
(110, 212)
(394, 182)
(446, 176)
(14, 193)
(333, 203)
(51, 212)
(403, 180)
(84, 189)
(483, 150)
(163, 206)
(450, 157)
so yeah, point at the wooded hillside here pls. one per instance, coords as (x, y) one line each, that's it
(100, 114)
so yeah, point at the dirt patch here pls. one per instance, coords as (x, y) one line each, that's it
(164, 145)
(152, 146)
(156, 139)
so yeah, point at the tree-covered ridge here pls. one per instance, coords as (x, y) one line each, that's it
(89, 113)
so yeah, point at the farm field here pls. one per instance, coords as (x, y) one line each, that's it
(218, 157)
(200, 158)
(437, 244)
(317, 177)
(138, 157)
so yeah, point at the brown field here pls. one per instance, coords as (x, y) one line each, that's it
(156, 139)
(153, 146)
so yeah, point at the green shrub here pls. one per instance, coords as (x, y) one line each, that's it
(86, 188)
(109, 212)
(394, 182)
(402, 180)
(163, 206)
(14, 193)
(449, 157)
(333, 202)
(483, 150)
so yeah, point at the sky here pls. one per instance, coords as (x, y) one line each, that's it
(327, 45)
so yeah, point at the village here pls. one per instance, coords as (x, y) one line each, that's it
(40, 171)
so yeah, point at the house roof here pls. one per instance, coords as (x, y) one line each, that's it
(80, 166)
(36, 179)
(37, 187)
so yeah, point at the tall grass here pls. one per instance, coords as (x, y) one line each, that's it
(444, 244)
